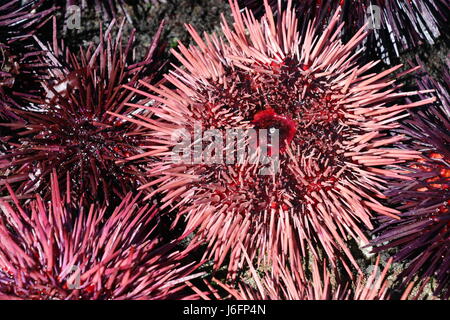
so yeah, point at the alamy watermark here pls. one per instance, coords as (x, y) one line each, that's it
(73, 17)
(373, 17)
(74, 278)
(229, 146)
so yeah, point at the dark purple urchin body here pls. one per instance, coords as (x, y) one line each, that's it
(67, 128)
(19, 67)
(61, 249)
(422, 235)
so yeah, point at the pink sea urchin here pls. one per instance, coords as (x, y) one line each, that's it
(291, 285)
(336, 116)
(394, 26)
(63, 250)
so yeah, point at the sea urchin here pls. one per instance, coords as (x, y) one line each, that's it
(63, 250)
(335, 115)
(68, 128)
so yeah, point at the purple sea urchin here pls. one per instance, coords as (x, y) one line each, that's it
(331, 171)
(69, 129)
(422, 236)
(63, 250)
(18, 63)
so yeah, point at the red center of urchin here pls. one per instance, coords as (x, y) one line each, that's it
(268, 119)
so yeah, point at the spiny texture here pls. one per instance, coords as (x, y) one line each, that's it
(18, 63)
(334, 118)
(68, 127)
(394, 25)
(63, 250)
(109, 8)
(291, 285)
(422, 236)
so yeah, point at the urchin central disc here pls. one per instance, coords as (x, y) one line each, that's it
(269, 119)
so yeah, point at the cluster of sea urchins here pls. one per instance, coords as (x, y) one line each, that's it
(70, 226)
(352, 147)
(334, 117)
